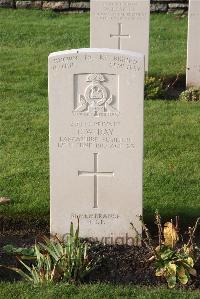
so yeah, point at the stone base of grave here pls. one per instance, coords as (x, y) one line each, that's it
(29, 4)
(7, 3)
(54, 5)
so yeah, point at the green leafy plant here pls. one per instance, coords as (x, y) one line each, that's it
(153, 88)
(174, 264)
(57, 260)
(19, 251)
(70, 256)
(43, 271)
(190, 95)
(174, 260)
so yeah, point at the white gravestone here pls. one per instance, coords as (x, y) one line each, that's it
(120, 24)
(193, 51)
(96, 142)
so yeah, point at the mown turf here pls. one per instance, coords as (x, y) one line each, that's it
(168, 34)
(27, 37)
(171, 164)
(171, 161)
(97, 291)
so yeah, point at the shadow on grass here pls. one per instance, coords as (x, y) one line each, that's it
(39, 225)
(173, 85)
(186, 217)
(24, 224)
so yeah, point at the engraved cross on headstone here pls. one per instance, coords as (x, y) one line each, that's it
(120, 35)
(95, 173)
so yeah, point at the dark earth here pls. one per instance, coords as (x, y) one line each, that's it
(120, 264)
(117, 264)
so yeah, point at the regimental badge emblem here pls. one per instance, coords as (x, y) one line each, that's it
(94, 96)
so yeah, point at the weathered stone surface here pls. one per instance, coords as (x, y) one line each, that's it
(156, 5)
(23, 4)
(29, 4)
(6, 3)
(177, 5)
(61, 5)
(80, 5)
(37, 4)
(159, 7)
(176, 11)
(96, 141)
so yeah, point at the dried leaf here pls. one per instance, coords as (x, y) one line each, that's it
(170, 234)
(193, 272)
(181, 271)
(157, 249)
(152, 258)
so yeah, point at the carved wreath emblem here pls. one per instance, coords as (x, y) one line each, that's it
(96, 98)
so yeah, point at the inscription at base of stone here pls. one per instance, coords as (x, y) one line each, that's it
(96, 142)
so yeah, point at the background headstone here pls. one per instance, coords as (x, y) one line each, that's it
(120, 24)
(96, 142)
(193, 52)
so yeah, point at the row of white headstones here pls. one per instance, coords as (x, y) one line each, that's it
(96, 101)
(125, 25)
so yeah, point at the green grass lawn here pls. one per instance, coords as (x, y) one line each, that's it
(171, 162)
(168, 46)
(96, 291)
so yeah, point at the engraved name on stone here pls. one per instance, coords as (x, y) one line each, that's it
(96, 141)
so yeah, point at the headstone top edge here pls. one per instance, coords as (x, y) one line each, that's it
(96, 50)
